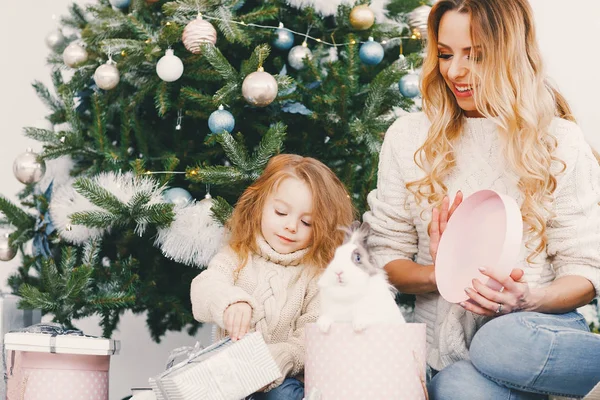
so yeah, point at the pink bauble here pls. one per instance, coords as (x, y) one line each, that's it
(197, 32)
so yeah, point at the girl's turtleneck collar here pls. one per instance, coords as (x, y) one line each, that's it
(290, 259)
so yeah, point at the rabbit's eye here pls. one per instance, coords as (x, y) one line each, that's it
(356, 257)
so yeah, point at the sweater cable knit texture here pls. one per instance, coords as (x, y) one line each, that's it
(399, 231)
(281, 291)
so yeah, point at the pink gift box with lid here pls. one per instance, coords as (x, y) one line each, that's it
(381, 362)
(57, 364)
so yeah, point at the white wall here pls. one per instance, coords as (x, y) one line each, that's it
(568, 31)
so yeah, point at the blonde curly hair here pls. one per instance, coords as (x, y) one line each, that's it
(512, 90)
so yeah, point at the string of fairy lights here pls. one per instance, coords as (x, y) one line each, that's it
(200, 31)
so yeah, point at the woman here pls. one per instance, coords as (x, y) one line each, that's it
(491, 121)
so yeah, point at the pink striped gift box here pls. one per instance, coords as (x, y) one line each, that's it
(224, 371)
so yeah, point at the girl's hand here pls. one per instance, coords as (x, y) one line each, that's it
(237, 319)
(439, 221)
(514, 295)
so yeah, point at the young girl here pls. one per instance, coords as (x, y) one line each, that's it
(284, 231)
(492, 121)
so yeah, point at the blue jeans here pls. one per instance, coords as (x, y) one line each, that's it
(524, 356)
(290, 389)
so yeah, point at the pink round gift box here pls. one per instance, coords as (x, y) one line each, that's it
(485, 230)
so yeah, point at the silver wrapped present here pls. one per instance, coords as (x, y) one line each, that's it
(224, 371)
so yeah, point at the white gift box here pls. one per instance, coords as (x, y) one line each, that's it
(61, 344)
(224, 371)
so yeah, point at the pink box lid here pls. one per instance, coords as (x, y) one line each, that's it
(62, 344)
(485, 230)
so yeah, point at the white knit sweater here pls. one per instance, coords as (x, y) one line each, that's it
(398, 231)
(281, 291)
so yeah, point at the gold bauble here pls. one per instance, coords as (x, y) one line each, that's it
(361, 17)
(417, 20)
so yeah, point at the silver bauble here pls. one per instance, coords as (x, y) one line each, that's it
(297, 55)
(28, 168)
(178, 196)
(170, 67)
(74, 55)
(409, 85)
(7, 253)
(260, 88)
(197, 32)
(417, 20)
(107, 76)
(55, 39)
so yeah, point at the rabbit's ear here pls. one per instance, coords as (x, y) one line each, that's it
(355, 226)
(365, 228)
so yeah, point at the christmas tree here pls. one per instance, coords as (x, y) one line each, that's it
(157, 103)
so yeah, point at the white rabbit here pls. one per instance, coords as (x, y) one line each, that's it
(353, 290)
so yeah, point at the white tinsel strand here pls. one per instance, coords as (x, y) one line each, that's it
(66, 201)
(330, 7)
(322, 7)
(58, 171)
(125, 186)
(194, 237)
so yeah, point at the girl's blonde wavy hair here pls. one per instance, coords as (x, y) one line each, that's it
(512, 90)
(331, 208)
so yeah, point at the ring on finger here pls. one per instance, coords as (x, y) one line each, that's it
(499, 309)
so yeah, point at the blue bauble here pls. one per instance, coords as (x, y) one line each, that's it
(284, 39)
(409, 85)
(120, 3)
(371, 52)
(221, 120)
(177, 196)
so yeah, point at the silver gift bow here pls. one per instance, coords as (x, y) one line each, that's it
(192, 353)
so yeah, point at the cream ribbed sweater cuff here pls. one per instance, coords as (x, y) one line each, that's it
(586, 271)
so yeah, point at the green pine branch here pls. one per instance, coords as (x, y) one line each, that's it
(270, 145)
(162, 100)
(218, 175)
(42, 135)
(229, 29)
(234, 150)
(15, 214)
(221, 210)
(99, 196)
(219, 62)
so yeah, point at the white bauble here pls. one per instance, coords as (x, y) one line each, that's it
(260, 88)
(297, 55)
(7, 252)
(170, 67)
(28, 168)
(74, 55)
(107, 76)
(55, 39)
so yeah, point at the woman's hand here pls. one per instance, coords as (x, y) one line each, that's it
(237, 319)
(514, 295)
(439, 220)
